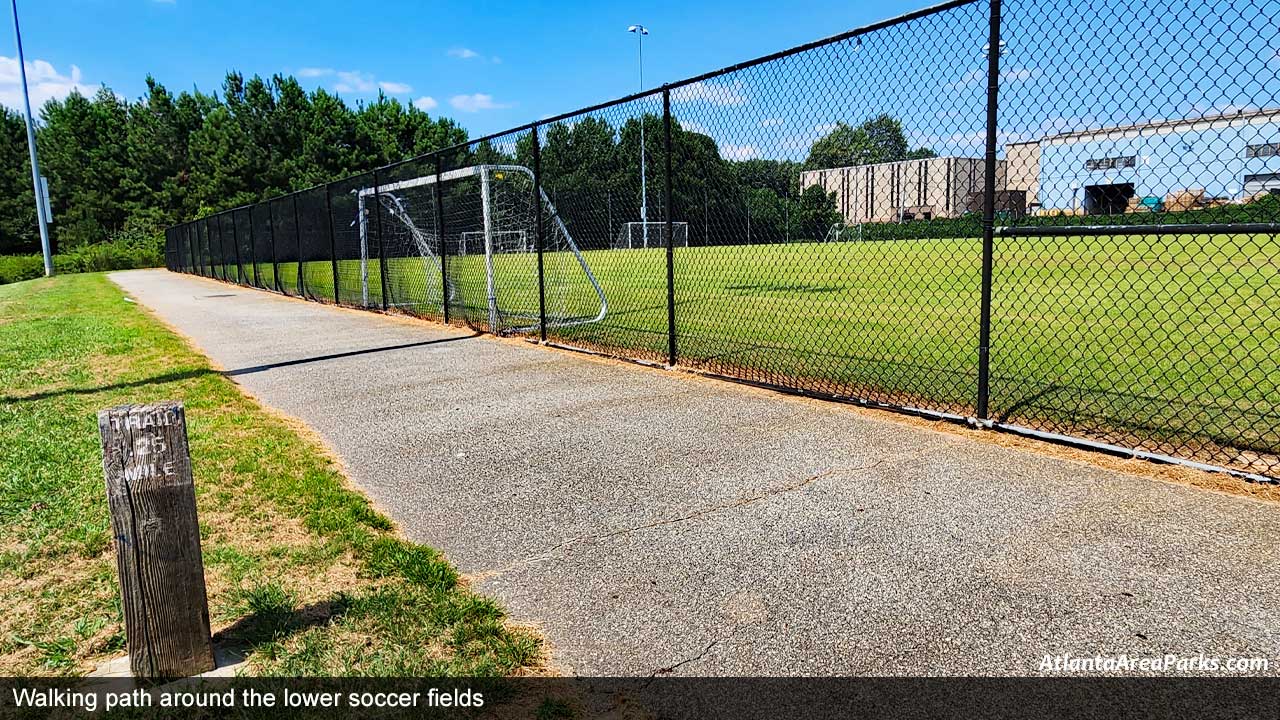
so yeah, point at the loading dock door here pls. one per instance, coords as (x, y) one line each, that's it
(1265, 182)
(1107, 199)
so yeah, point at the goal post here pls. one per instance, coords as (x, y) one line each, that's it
(650, 234)
(491, 211)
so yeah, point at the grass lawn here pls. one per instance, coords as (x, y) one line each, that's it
(302, 572)
(1168, 343)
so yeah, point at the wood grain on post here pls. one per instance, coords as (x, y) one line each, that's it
(153, 518)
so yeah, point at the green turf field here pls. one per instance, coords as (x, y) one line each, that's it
(1164, 341)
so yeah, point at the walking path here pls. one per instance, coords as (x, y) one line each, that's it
(652, 522)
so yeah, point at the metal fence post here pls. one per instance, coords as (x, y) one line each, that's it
(235, 242)
(444, 247)
(275, 257)
(537, 200)
(989, 212)
(297, 233)
(222, 248)
(333, 243)
(671, 273)
(253, 251)
(382, 251)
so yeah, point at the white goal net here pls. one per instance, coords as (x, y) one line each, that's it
(651, 234)
(489, 220)
(503, 241)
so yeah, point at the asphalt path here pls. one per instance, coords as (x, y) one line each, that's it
(650, 522)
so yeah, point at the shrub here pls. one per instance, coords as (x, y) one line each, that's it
(126, 250)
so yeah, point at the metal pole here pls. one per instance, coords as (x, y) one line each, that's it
(382, 251)
(42, 211)
(444, 247)
(671, 276)
(333, 242)
(989, 211)
(253, 250)
(222, 248)
(235, 242)
(297, 232)
(275, 257)
(537, 199)
(644, 192)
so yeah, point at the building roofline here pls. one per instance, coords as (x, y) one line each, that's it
(1239, 115)
(893, 162)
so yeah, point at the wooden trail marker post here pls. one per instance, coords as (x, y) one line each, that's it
(152, 501)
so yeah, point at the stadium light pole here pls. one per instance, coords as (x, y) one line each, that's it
(640, 32)
(31, 145)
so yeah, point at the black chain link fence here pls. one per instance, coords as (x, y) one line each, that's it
(1058, 220)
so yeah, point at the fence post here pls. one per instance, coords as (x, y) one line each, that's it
(275, 257)
(444, 246)
(235, 242)
(152, 502)
(253, 250)
(537, 200)
(382, 251)
(989, 212)
(671, 273)
(297, 234)
(333, 243)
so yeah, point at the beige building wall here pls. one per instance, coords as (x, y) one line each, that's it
(886, 192)
(1022, 161)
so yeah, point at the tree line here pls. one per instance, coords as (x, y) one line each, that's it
(117, 166)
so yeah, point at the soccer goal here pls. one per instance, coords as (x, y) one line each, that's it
(652, 234)
(490, 264)
(846, 233)
(504, 241)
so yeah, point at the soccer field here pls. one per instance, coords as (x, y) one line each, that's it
(1158, 341)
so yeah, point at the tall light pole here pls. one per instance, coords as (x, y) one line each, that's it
(31, 145)
(640, 32)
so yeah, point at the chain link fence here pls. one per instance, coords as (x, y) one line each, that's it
(1058, 220)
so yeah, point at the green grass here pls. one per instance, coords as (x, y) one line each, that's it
(1167, 343)
(301, 570)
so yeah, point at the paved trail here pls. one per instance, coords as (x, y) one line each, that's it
(654, 523)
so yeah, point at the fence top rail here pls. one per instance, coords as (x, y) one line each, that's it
(665, 88)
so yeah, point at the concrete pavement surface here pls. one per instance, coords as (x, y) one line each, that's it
(655, 523)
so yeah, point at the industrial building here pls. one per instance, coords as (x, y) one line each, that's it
(1170, 164)
(1161, 165)
(938, 187)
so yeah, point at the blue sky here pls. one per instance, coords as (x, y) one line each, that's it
(1069, 65)
(490, 65)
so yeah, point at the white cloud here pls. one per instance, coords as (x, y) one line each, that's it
(354, 81)
(739, 152)
(310, 72)
(711, 93)
(464, 53)
(44, 81)
(770, 122)
(426, 102)
(476, 102)
(1012, 75)
(694, 127)
(396, 88)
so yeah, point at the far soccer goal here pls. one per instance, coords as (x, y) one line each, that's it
(504, 241)
(652, 234)
(839, 232)
(490, 264)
